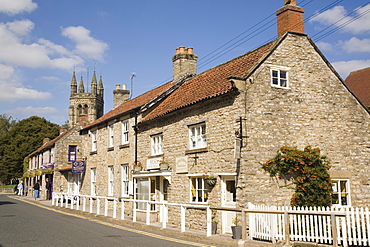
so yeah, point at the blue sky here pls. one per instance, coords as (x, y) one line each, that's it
(43, 41)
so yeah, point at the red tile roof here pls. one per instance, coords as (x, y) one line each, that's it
(359, 83)
(130, 105)
(209, 84)
(66, 168)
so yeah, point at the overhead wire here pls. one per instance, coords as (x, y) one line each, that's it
(240, 39)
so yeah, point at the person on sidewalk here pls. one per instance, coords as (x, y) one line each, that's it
(36, 192)
(20, 188)
(48, 186)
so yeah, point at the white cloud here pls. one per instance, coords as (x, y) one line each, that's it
(20, 28)
(44, 54)
(324, 46)
(12, 7)
(345, 67)
(11, 93)
(85, 44)
(356, 45)
(6, 72)
(338, 16)
(26, 111)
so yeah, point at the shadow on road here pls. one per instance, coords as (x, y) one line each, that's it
(4, 203)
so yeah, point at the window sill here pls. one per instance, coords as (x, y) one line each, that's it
(198, 150)
(110, 149)
(93, 152)
(155, 156)
(124, 146)
(276, 86)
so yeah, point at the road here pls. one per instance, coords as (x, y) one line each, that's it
(23, 223)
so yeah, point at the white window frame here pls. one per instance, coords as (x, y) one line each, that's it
(94, 140)
(125, 180)
(125, 132)
(197, 136)
(157, 144)
(278, 80)
(111, 136)
(198, 186)
(93, 181)
(338, 190)
(110, 180)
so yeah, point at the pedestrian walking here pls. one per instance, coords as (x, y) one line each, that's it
(20, 188)
(48, 186)
(36, 192)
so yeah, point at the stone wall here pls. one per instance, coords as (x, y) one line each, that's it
(316, 110)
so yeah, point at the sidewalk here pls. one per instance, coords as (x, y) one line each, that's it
(190, 235)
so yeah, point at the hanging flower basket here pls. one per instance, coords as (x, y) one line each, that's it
(211, 181)
(137, 166)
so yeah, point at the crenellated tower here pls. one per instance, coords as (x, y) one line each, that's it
(85, 107)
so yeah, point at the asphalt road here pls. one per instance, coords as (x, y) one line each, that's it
(23, 223)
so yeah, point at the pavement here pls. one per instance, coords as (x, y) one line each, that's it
(190, 235)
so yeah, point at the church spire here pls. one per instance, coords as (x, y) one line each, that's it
(81, 87)
(73, 84)
(94, 84)
(101, 87)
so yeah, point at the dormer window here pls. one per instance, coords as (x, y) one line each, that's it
(279, 77)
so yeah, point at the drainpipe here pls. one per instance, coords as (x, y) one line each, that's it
(135, 130)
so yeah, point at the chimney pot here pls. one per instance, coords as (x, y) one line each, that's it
(118, 86)
(182, 49)
(123, 86)
(190, 50)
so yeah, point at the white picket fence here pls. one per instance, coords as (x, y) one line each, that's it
(351, 230)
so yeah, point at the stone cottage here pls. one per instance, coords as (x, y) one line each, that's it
(213, 130)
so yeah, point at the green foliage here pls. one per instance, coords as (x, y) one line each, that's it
(309, 171)
(22, 139)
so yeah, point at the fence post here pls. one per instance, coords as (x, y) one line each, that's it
(286, 227)
(164, 215)
(84, 204)
(97, 206)
(106, 207)
(148, 213)
(91, 207)
(182, 216)
(72, 201)
(209, 221)
(244, 226)
(334, 230)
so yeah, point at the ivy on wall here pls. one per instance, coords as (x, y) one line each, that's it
(310, 173)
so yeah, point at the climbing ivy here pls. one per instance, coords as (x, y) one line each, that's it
(309, 170)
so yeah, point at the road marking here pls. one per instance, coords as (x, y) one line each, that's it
(114, 225)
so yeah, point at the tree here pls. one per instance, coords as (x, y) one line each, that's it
(310, 173)
(23, 138)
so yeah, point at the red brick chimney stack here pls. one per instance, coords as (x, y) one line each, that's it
(290, 18)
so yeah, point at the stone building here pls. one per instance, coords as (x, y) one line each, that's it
(225, 122)
(53, 160)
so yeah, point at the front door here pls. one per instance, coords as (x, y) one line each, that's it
(228, 199)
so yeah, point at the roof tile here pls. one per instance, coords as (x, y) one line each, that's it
(359, 83)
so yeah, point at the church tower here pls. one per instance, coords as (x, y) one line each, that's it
(85, 107)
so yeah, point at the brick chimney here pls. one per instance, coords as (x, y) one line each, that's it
(290, 18)
(120, 95)
(184, 62)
